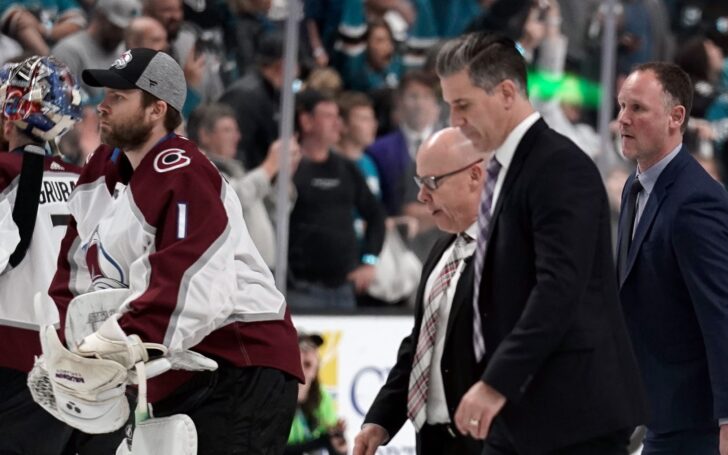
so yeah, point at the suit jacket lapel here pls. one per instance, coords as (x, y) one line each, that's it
(657, 197)
(437, 250)
(519, 158)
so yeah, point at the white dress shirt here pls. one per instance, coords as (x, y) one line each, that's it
(648, 179)
(436, 403)
(504, 153)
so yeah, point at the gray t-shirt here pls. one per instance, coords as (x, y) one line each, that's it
(79, 51)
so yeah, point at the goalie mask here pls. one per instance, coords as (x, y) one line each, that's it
(41, 97)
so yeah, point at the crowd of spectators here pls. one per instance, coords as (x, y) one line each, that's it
(367, 97)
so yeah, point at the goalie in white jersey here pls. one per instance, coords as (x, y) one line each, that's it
(152, 215)
(40, 102)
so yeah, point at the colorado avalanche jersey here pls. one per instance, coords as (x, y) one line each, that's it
(19, 284)
(172, 232)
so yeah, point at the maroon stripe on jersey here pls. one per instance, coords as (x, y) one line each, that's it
(10, 165)
(18, 348)
(60, 288)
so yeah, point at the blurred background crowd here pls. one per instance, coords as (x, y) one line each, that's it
(366, 98)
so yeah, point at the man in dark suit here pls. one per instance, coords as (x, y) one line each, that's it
(673, 267)
(435, 363)
(559, 372)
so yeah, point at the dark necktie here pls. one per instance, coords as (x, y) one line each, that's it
(629, 214)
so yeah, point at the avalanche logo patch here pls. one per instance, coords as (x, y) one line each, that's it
(122, 61)
(170, 160)
(106, 272)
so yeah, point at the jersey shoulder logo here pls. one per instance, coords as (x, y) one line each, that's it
(171, 159)
(57, 167)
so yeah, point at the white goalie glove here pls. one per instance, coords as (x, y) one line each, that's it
(111, 343)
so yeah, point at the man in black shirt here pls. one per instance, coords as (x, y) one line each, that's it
(255, 98)
(327, 263)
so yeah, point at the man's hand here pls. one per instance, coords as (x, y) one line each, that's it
(271, 164)
(369, 439)
(477, 409)
(194, 68)
(723, 442)
(336, 436)
(362, 277)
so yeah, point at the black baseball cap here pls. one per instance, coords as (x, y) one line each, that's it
(155, 72)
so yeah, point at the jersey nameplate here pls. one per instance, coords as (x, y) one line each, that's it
(56, 190)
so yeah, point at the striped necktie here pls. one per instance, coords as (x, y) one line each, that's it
(419, 380)
(484, 215)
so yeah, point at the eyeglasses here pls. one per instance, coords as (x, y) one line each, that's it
(431, 182)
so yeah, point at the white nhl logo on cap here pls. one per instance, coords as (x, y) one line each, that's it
(122, 61)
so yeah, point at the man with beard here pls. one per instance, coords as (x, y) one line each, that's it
(151, 214)
(100, 43)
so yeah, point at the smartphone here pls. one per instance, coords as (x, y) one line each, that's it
(205, 44)
(543, 9)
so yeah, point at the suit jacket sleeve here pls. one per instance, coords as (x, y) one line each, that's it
(563, 206)
(700, 242)
(390, 406)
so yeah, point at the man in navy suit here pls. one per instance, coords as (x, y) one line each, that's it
(673, 267)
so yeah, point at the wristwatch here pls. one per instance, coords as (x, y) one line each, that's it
(369, 259)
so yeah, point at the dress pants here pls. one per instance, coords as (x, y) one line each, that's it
(443, 439)
(693, 442)
(499, 442)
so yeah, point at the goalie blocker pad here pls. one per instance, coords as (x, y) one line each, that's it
(86, 393)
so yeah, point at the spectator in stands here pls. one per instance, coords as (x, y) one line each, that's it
(325, 80)
(214, 128)
(255, 100)
(324, 258)
(437, 19)
(359, 126)
(145, 31)
(703, 61)
(202, 69)
(250, 23)
(375, 66)
(315, 426)
(394, 153)
(100, 44)
(36, 23)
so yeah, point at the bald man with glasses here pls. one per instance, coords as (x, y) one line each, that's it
(435, 364)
